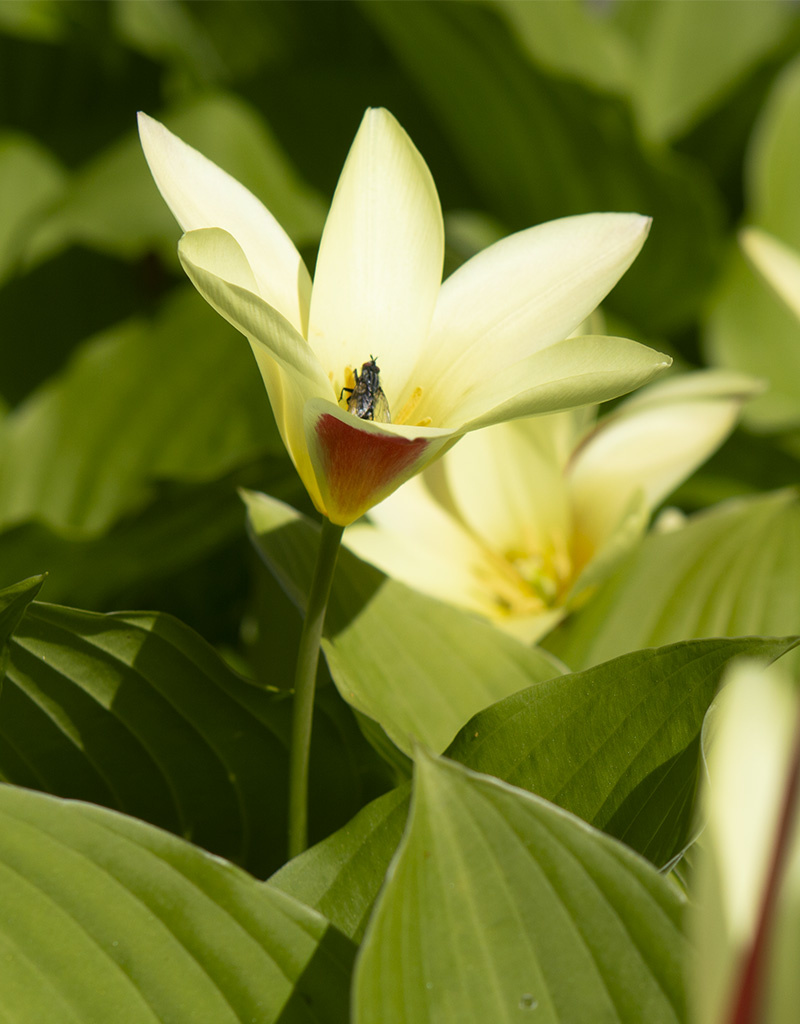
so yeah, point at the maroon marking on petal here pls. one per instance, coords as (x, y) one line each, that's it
(360, 466)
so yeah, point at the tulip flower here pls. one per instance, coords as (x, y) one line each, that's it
(487, 345)
(520, 521)
(379, 368)
(777, 263)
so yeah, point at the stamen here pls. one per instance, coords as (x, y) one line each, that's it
(405, 413)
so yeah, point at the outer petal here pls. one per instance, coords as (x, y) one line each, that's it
(291, 372)
(651, 445)
(522, 294)
(358, 463)
(202, 195)
(380, 260)
(778, 264)
(571, 373)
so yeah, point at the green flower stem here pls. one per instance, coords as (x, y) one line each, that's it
(305, 679)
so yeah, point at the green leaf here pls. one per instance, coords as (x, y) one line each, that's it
(112, 204)
(499, 903)
(179, 398)
(14, 600)
(684, 70)
(619, 744)
(106, 919)
(744, 307)
(341, 876)
(136, 712)
(30, 180)
(417, 667)
(730, 571)
(536, 147)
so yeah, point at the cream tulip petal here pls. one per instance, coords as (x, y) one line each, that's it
(571, 373)
(414, 540)
(651, 448)
(522, 294)
(778, 264)
(202, 195)
(216, 266)
(509, 492)
(359, 463)
(380, 259)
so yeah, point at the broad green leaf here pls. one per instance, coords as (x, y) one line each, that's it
(30, 180)
(537, 147)
(178, 398)
(745, 910)
(106, 919)
(690, 55)
(134, 711)
(417, 667)
(729, 571)
(113, 205)
(499, 903)
(619, 744)
(341, 876)
(748, 327)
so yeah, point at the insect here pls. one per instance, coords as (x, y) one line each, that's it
(367, 399)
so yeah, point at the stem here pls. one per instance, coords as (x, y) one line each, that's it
(305, 679)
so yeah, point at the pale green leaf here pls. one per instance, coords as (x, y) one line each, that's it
(499, 903)
(107, 919)
(417, 667)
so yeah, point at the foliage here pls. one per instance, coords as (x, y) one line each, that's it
(499, 831)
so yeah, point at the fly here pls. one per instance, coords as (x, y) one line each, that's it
(367, 400)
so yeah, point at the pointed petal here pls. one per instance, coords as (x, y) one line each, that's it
(522, 294)
(290, 370)
(651, 444)
(509, 489)
(202, 195)
(412, 538)
(777, 263)
(359, 463)
(571, 373)
(380, 260)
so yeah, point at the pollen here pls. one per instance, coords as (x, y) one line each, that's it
(408, 409)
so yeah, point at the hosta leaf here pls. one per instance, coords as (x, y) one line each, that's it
(106, 919)
(417, 667)
(730, 571)
(112, 205)
(499, 903)
(136, 712)
(618, 744)
(179, 398)
(748, 328)
(523, 136)
(341, 876)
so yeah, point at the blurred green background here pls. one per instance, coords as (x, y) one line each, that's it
(131, 412)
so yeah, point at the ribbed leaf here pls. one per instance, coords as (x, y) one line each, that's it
(136, 712)
(731, 571)
(106, 919)
(417, 667)
(179, 399)
(618, 744)
(499, 903)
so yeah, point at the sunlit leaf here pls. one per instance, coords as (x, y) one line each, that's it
(730, 571)
(178, 398)
(417, 667)
(618, 744)
(106, 919)
(499, 903)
